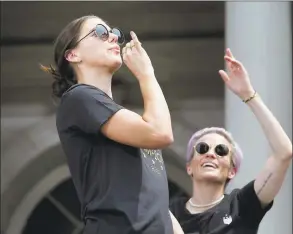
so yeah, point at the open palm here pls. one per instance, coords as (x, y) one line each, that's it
(236, 78)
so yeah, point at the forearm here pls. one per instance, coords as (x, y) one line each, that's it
(278, 139)
(156, 111)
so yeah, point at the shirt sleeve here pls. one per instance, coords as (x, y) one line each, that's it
(89, 108)
(172, 207)
(250, 208)
(177, 207)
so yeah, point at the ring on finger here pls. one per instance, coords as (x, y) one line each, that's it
(135, 45)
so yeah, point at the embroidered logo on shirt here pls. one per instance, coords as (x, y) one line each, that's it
(227, 219)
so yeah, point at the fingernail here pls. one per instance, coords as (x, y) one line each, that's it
(132, 34)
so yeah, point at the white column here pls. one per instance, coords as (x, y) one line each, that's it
(259, 34)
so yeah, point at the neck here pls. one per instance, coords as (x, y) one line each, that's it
(205, 193)
(100, 78)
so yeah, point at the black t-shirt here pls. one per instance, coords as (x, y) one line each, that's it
(240, 212)
(122, 189)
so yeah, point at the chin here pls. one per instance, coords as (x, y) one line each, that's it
(211, 176)
(116, 64)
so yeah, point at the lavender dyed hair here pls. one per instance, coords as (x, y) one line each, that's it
(237, 154)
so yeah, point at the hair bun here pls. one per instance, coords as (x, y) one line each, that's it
(60, 85)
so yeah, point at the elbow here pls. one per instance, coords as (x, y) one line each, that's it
(168, 139)
(162, 140)
(287, 153)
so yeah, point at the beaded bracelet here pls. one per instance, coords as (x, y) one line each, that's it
(250, 98)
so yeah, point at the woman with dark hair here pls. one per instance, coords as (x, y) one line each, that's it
(112, 152)
(213, 158)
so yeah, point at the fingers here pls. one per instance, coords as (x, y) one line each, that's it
(126, 50)
(123, 50)
(127, 45)
(229, 59)
(135, 40)
(224, 76)
(134, 44)
(234, 62)
(229, 53)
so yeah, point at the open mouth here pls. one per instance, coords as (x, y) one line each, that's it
(209, 165)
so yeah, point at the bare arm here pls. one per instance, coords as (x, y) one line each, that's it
(270, 179)
(155, 106)
(153, 129)
(176, 226)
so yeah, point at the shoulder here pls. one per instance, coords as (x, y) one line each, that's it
(83, 98)
(177, 205)
(178, 200)
(234, 197)
(237, 193)
(82, 91)
(246, 192)
(246, 200)
(85, 107)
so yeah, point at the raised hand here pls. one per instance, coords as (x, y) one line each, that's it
(237, 78)
(136, 58)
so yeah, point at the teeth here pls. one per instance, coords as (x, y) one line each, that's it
(208, 165)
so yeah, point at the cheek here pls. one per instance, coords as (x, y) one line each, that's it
(195, 162)
(94, 46)
(225, 163)
(96, 56)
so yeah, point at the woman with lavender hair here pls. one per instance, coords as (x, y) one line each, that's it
(213, 159)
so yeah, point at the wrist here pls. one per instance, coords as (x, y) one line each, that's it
(249, 98)
(146, 76)
(247, 94)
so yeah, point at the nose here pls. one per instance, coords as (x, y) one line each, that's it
(210, 155)
(113, 38)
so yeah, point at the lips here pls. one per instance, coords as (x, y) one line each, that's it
(116, 49)
(209, 165)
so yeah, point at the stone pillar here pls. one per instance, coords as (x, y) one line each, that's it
(259, 35)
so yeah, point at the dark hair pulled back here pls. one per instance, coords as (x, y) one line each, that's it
(62, 72)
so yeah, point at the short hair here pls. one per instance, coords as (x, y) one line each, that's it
(237, 154)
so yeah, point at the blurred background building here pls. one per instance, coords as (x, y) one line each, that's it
(186, 42)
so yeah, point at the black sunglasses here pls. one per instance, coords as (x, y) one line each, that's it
(103, 33)
(221, 149)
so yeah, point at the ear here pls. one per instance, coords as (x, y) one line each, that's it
(72, 56)
(232, 173)
(188, 169)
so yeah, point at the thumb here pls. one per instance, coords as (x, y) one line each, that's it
(224, 76)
